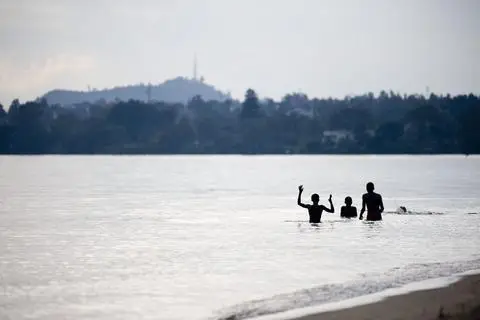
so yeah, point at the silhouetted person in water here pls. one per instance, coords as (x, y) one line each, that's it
(374, 204)
(348, 211)
(314, 210)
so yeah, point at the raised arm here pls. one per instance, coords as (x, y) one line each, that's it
(332, 209)
(363, 207)
(299, 199)
(381, 204)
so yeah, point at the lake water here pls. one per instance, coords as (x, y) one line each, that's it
(209, 237)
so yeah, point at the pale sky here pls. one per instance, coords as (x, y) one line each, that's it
(319, 47)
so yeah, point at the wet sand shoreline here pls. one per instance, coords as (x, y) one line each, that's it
(459, 300)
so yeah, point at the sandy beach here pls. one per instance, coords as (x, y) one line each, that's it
(460, 300)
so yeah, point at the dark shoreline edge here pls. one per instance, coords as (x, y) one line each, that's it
(457, 299)
(291, 305)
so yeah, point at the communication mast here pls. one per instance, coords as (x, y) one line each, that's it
(195, 67)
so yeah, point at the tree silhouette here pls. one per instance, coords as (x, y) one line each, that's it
(3, 113)
(250, 106)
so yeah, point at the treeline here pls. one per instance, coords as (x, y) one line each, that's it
(385, 124)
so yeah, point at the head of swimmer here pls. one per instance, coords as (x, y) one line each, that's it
(370, 187)
(348, 201)
(315, 198)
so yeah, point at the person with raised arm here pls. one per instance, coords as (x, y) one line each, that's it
(314, 210)
(374, 203)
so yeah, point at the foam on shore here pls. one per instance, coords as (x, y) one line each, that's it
(372, 303)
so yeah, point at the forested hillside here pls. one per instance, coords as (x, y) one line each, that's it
(366, 124)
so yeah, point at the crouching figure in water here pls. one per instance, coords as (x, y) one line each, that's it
(348, 211)
(314, 210)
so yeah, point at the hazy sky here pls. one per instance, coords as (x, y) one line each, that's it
(320, 47)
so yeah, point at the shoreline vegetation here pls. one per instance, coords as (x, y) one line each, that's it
(458, 301)
(388, 123)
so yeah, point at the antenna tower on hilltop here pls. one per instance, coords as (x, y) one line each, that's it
(195, 67)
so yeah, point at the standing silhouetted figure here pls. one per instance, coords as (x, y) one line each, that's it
(374, 204)
(314, 210)
(348, 211)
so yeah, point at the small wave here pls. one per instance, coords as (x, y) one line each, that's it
(414, 213)
(394, 278)
(323, 221)
(421, 213)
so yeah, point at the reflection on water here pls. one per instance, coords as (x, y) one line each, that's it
(190, 237)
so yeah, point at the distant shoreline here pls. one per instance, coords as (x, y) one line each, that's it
(387, 124)
(238, 154)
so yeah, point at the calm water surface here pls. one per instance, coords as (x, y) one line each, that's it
(184, 237)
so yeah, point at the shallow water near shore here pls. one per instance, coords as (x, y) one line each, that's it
(210, 237)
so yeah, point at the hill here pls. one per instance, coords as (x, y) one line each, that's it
(175, 90)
